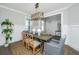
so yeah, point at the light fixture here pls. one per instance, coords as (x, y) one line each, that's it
(38, 15)
(37, 20)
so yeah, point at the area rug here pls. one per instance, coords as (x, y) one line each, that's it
(18, 48)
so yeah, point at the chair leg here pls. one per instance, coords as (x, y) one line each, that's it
(27, 46)
(33, 50)
(24, 44)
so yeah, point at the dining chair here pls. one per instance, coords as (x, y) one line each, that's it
(25, 40)
(54, 47)
(34, 44)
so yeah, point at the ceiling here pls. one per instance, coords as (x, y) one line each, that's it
(28, 8)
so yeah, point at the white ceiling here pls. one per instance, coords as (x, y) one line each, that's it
(28, 8)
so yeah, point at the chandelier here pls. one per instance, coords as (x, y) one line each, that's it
(38, 15)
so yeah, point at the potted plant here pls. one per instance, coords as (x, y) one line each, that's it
(7, 31)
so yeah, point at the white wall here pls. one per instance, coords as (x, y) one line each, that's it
(73, 26)
(18, 21)
(73, 36)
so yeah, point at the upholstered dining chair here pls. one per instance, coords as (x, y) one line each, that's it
(34, 44)
(54, 47)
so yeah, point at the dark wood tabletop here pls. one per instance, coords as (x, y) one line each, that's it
(42, 37)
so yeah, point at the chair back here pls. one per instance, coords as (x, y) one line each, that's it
(31, 39)
(24, 35)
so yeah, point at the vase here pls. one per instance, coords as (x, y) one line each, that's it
(6, 44)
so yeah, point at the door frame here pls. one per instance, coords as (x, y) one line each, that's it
(56, 13)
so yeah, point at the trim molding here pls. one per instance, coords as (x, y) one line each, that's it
(56, 11)
(11, 9)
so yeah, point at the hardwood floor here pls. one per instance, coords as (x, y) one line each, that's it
(70, 51)
(5, 51)
(18, 49)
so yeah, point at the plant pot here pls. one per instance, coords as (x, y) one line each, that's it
(6, 45)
